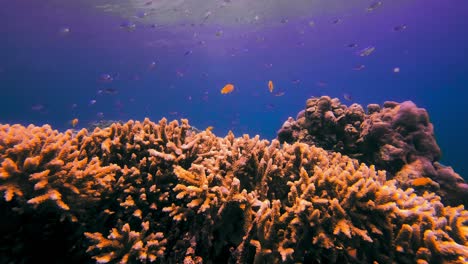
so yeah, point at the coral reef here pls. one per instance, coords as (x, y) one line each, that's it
(164, 193)
(397, 138)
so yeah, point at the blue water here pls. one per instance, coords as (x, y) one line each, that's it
(52, 54)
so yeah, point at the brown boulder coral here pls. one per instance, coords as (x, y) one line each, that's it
(146, 192)
(397, 137)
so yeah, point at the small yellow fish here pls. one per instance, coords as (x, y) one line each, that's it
(74, 122)
(228, 88)
(209, 128)
(270, 86)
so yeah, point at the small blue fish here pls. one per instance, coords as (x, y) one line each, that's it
(399, 27)
(373, 6)
(322, 83)
(105, 77)
(152, 65)
(65, 31)
(359, 67)
(366, 51)
(109, 91)
(128, 25)
(347, 97)
(38, 107)
(206, 16)
(337, 21)
(188, 52)
(141, 14)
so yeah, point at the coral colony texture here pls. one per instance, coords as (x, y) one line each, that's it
(397, 138)
(143, 192)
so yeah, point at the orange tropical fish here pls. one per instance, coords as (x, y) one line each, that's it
(209, 128)
(422, 181)
(74, 122)
(228, 88)
(270, 86)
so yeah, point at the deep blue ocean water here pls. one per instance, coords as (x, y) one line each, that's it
(61, 60)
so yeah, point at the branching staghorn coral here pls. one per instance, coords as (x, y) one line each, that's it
(147, 192)
(40, 165)
(124, 245)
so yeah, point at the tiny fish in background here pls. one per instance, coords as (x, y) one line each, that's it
(105, 77)
(179, 73)
(373, 6)
(92, 102)
(206, 16)
(128, 25)
(136, 77)
(188, 52)
(399, 27)
(100, 115)
(351, 45)
(65, 31)
(359, 67)
(270, 106)
(228, 88)
(347, 97)
(296, 81)
(205, 96)
(279, 93)
(37, 107)
(366, 51)
(311, 23)
(209, 129)
(321, 83)
(336, 21)
(108, 91)
(152, 65)
(396, 69)
(270, 86)
(74, 122)
(219, 33)
(141, 14)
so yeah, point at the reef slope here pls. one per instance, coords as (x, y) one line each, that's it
(164, 193)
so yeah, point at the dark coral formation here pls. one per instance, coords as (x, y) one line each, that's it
(397, 137)
(146, 192)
